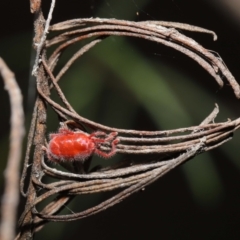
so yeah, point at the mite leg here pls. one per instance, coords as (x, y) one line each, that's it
(110, 153)
(107, 139)
(48, 154)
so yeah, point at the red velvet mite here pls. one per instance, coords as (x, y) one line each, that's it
(67, 145)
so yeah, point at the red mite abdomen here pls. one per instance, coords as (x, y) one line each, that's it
(73, 146)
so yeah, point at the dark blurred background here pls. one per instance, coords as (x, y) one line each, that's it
(131, 83)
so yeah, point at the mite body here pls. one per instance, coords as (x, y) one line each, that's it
(68, 145)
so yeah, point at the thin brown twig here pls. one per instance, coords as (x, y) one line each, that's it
(41, 30)
(149, 33)
(58, 89)
(75, 56)
(52, 208)
(183, 26)
(100, 126)
(26, 164)
(41, 43)
(10, 196)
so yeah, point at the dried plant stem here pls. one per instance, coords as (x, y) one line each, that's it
(155, 174)
(169, 148)
(41, 30)
(183, 26)
(43, 37)
(149, 30)
(29, 145)
(10, 197)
